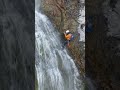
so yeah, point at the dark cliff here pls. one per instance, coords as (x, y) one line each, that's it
(103, 44)
(17, 45)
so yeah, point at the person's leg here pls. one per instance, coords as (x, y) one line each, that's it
(65, 43)
(68, 44)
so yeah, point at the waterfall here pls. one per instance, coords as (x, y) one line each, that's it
(55, 69)
(81, 21)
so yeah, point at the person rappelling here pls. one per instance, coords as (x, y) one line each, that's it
(69, 37)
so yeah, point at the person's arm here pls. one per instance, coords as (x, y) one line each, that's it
(65, 35)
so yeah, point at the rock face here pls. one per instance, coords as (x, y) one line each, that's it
(17, 45)
(102, 45)
(64, 15)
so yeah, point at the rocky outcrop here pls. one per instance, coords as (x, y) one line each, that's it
(17, 45)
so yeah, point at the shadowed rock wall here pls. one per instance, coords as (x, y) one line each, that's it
(17, 45)
(102, 45)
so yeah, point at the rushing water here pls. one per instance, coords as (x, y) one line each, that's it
(54, 67)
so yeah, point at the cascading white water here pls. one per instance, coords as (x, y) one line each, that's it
(54, 67)
(81, 21)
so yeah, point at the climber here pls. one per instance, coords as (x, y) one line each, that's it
(69, 37)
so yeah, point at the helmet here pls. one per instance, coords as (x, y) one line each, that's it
(67, 31)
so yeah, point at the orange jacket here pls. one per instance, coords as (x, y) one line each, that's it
(68, 37)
